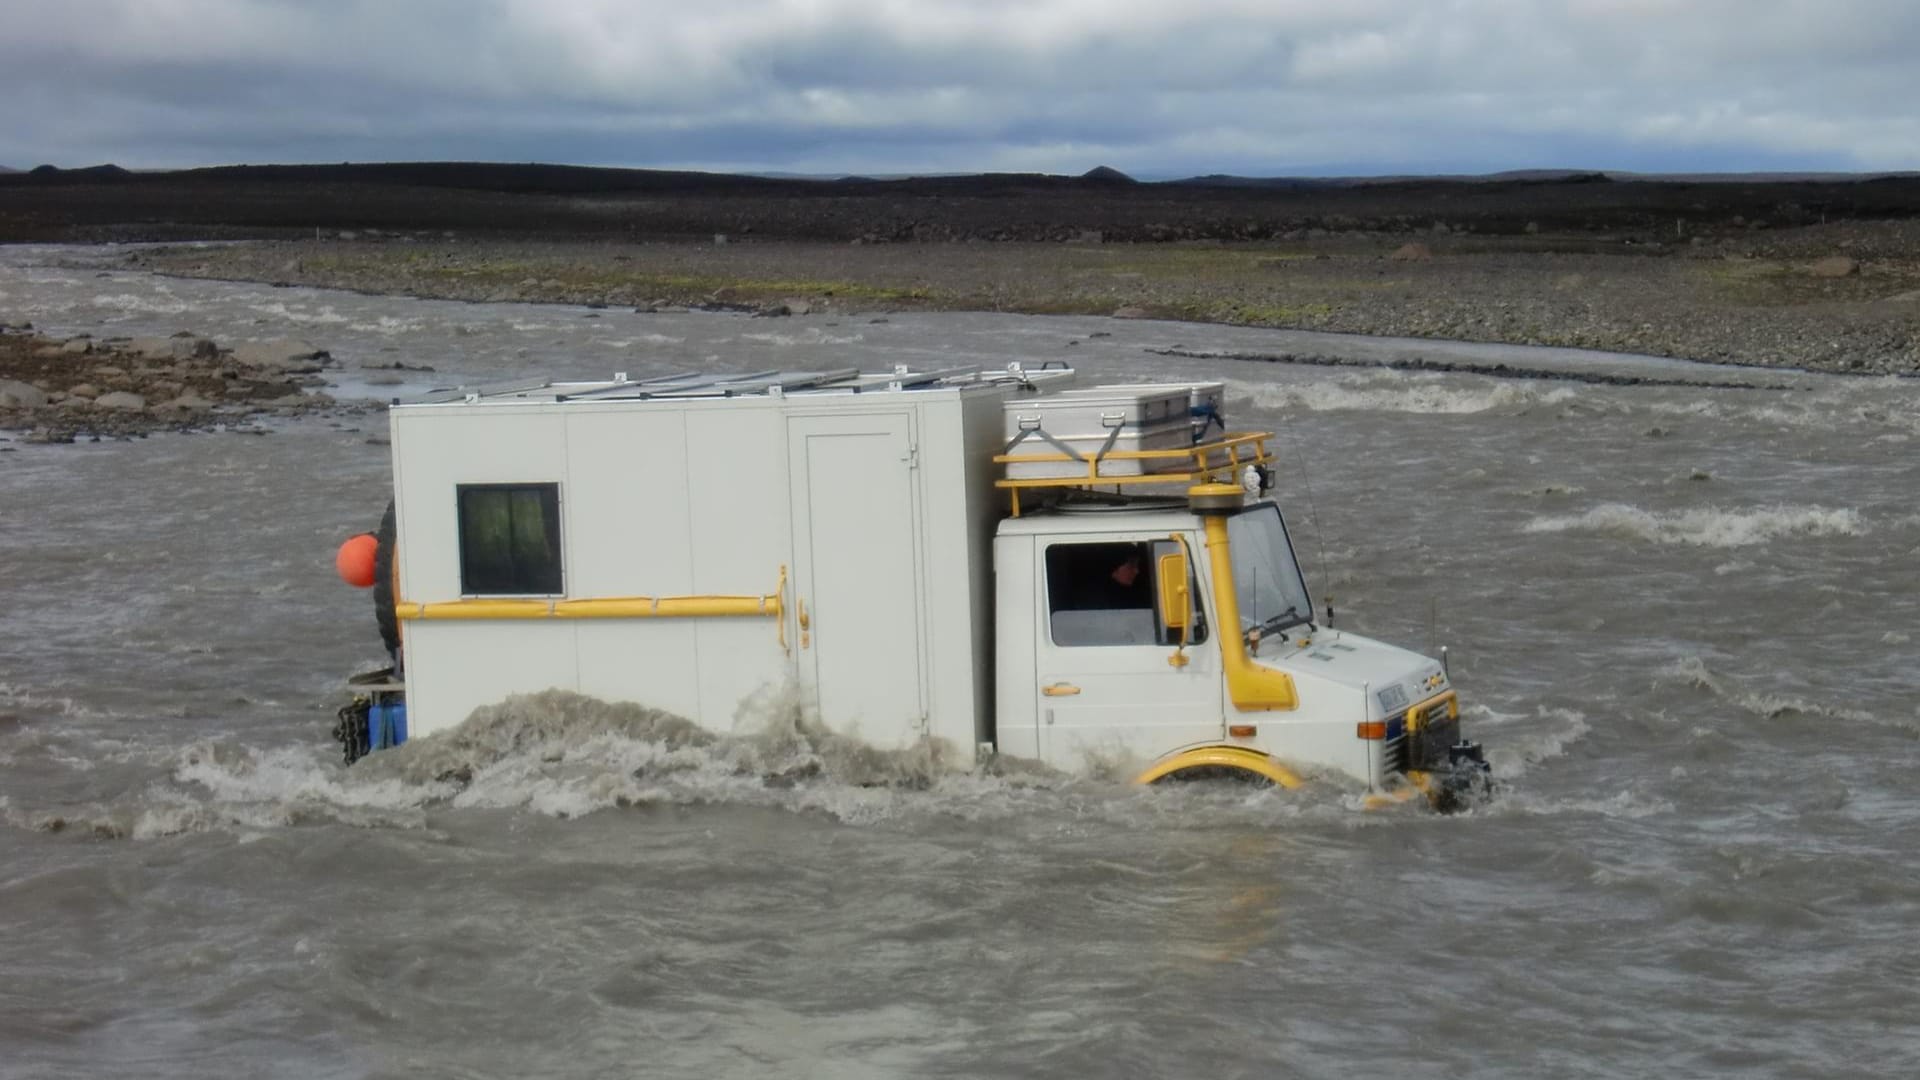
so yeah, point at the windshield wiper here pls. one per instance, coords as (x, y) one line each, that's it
(1282, 622)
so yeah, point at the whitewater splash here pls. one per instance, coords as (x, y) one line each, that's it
(1886, 403)
(130, 304)
(645, 339)
(324, 315)
(389, 326)
(1705, 526)
(1517, 742)
(1398, 393)
(812, 335)
(564, 755)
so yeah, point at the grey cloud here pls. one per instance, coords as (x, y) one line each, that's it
(1209, 85)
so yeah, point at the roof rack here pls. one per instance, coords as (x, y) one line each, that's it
(623, 385)
(442, 394)
(773, 382)
(904, 378)
(1210, 462)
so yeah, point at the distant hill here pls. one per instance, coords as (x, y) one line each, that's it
(1224, 180)
(50, 204)
(530, 178)
(93, 173)
(1531, 176)
(484, 176)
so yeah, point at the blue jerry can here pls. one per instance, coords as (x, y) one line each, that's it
(386, 725)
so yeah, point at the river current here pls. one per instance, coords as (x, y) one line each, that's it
(1681, 620)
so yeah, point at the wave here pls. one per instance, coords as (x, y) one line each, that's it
(388, 326)
(1885, 403)
(1628, 805)
(1516, 742)
(141, 305)
(1706, 526)
(1693, 671)
(809, 336)
(1402, 394)
(643, 339)
(1545, 491)
(13, 696)
(281, 310)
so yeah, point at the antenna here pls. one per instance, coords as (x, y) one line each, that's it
(1319, 535)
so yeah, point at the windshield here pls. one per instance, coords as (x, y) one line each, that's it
(1266, 578)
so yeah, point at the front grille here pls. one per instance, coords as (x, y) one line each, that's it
(1393, 754)
(1422, 749)
(1430, 745)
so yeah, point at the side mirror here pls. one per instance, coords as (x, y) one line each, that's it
(1176, 606)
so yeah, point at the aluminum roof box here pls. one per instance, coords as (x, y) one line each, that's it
(1097, 422)
(1206, 405)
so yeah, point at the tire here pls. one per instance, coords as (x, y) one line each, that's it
(1216, 774)
(386, 580)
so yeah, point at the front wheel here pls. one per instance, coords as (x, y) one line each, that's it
(1220, 762)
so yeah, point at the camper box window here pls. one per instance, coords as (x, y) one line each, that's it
(509, 539)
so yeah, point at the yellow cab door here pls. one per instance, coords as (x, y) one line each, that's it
(1116, 688)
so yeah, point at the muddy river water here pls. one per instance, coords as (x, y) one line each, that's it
(1682, 620)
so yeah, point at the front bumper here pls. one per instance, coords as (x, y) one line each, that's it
(1424, 743)
(1421, 738)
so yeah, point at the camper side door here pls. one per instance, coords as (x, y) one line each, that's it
(857, 578)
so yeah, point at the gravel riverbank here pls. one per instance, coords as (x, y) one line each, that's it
(1844, 297)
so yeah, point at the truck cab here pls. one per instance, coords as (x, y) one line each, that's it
(1143, 630)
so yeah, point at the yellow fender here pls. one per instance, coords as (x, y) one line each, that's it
(1221, 757)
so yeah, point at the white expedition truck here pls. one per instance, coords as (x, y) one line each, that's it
(1092, 578)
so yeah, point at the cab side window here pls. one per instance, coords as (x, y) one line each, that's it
(1104, 594)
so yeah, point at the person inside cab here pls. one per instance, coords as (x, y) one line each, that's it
(1100, 594)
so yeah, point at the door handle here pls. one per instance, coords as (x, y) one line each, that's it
(1060, 689)
(806, 624)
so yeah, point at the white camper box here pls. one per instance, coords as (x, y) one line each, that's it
(873, 497)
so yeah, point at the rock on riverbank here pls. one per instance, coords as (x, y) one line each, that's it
(61, 389)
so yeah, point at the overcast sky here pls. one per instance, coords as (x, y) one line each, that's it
(1155, 88)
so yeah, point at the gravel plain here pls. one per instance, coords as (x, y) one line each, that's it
(1842, 297)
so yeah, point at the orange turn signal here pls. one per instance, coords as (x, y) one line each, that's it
(1243, 731)
(1372, 729)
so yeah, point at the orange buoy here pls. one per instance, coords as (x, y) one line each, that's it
(355, 560)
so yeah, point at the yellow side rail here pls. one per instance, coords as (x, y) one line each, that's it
(608, 607)
(772, 606)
